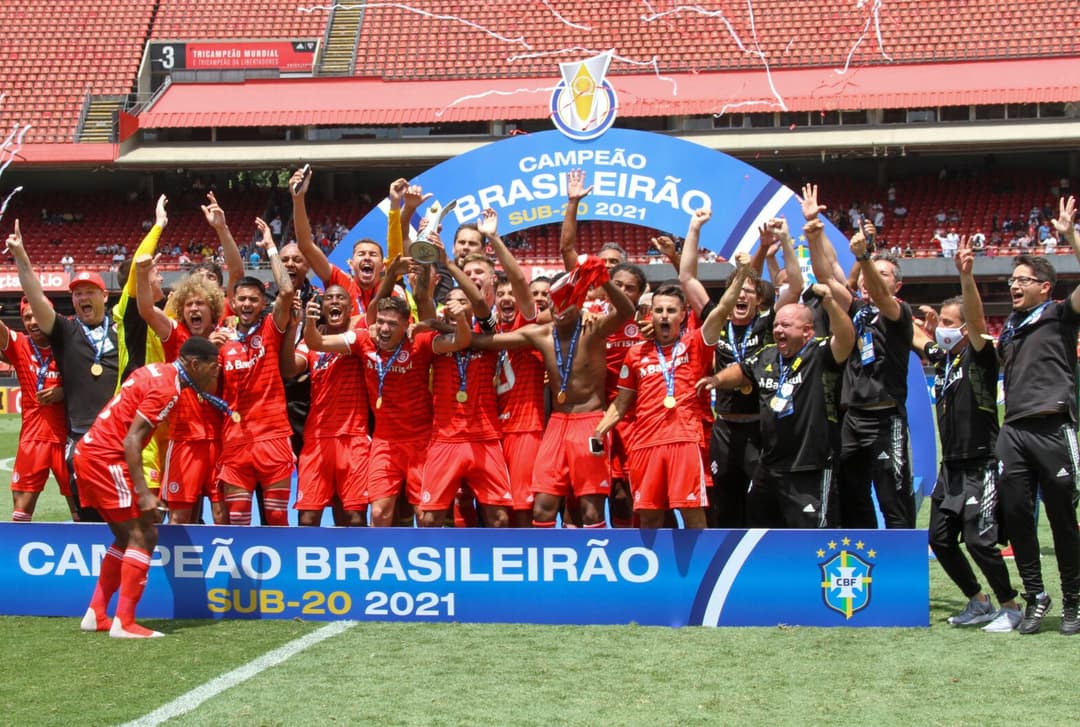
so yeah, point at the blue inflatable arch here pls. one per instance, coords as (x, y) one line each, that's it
(640, 178)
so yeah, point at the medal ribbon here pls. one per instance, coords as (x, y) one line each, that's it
(462, 360)
(98, 346)
(42, 362)
(739, 350)
(565, 365)
(667, 371)
(215, 401)
(382, 370)
(1010, 329)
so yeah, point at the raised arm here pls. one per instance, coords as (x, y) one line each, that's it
(696, 295)
(31, 284)
(148, 247)
(974, 316)
(413, 199)
(291, 362)
(1065, 224)
(462, 335)
(795, 280)
(481, 309)
(622, 310)
(488, 226)
(316, 258)
(822, 255)
(575, 192)
(283, 302)
(843, 331)
(766, 238)
(397, 267)
(314, 338)
(879, 292)
(718, 317)
(817, 244)
(159, 323)
(234, 263)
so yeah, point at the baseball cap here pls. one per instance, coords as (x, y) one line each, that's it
(87, 277)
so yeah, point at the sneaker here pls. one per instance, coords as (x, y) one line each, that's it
(976, 612)
(1006, 620)
(1007, 551)
(92, 622)
(1037, 608)
(131, 631)
(1070, 617)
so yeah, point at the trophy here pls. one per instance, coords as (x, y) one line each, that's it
(421, 250)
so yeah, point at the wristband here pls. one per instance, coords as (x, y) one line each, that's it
(864, 257)
(271, 251)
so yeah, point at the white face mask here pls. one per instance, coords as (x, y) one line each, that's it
(947, 338)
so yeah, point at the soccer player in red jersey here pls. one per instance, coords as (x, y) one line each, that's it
(44, 426)
(108, 463)
(366, 262)
(255, 446)
(658, 380)
(396, 373)
(334, 460)
(465, 444)
(519, 385)
(194, 440)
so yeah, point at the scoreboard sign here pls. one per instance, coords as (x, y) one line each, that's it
(287, 56)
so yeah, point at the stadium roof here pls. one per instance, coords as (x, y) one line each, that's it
(375, 102)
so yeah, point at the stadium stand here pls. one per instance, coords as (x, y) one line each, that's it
(231, 19)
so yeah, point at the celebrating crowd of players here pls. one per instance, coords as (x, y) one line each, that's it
(462, 390)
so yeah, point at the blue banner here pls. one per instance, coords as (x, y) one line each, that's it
(658, 577)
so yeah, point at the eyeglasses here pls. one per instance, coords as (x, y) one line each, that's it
(1023, 281)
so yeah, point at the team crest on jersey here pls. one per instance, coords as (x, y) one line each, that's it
(403, 356)
(680, 348)
(845, 575)
(256, 341)
(631, 330)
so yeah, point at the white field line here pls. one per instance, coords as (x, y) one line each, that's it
(187, 702)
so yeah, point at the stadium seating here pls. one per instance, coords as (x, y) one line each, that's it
(232, 19)
(54, 54)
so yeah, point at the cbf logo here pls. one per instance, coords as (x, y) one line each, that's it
(583, 104)
(845, 576)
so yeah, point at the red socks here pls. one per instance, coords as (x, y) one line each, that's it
(133, 572)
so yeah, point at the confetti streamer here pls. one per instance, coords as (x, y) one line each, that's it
(563, 20)
(485, 94)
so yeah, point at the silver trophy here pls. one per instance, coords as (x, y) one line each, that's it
(421, 250)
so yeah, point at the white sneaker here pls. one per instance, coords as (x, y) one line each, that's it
(131, 631)
(1006, 620)
(91, 622)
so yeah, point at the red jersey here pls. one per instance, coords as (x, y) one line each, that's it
(252, 386)
(520, 385)
(194, 420)
(689, 359)
(476, 419)
(618, 343)
(405, 414)
(339, 401)
(361, 298)
(150, 392)
(36, 368)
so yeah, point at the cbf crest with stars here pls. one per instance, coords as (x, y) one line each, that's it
(846, 581)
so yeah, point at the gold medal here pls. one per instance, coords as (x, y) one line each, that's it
(235, 417)
(96, 369)
(561, 397)
(746, 389)
(669, 402)
(378, 403)
(462, 397)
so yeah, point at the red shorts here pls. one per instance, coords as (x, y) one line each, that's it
(618, 451)
(480, 465)
(564, 463)
(33, 461)
(667, 476)
(394, 463)
(333, 466)
(264, 462)
(106, 487)
(190, 472)
(520, 450)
